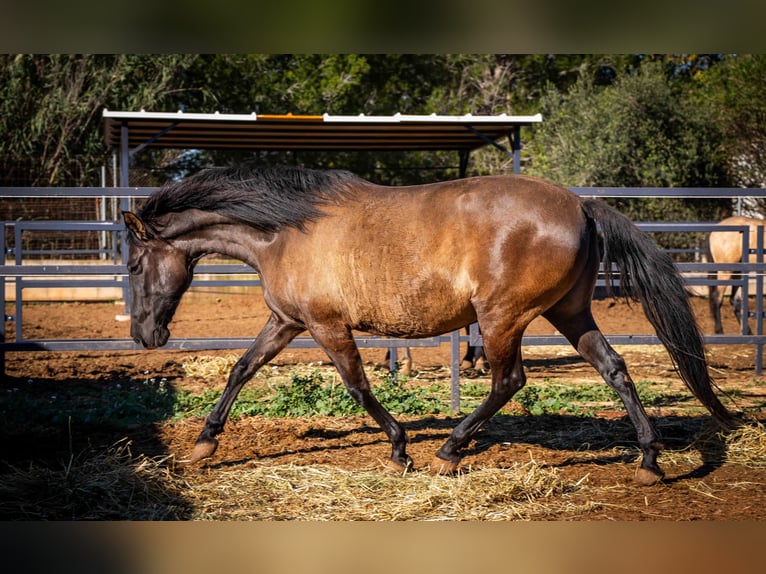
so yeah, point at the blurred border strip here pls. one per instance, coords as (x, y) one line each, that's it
(430, 26)
(340, 548)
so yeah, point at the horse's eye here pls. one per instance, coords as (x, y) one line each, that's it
(134, 268)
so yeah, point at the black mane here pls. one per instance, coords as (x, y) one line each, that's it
(266, 198)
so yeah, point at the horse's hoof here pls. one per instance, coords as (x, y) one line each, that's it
(203, 449)
(397, 468)
(646, 477)
(443, 467)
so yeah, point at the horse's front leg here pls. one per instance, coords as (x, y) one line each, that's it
(338, 342)
(274, 337)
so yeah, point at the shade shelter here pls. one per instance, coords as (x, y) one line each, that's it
(129, 132)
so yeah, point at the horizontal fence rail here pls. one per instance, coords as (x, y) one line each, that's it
(24, 273)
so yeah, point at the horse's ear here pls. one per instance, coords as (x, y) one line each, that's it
(135, 225)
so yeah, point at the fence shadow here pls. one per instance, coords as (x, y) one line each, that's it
(67, 450)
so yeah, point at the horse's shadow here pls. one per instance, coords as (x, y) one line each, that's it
(593, 434)
(532, 365)
(556, 432)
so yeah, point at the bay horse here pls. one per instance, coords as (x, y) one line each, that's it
(726, 247)
(497, 250)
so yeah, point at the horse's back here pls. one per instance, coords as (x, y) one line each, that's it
(421, 260)
(470, 225)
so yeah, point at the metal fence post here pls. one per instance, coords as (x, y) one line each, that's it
(455, 371)
(759, 300)
(2, 304)
(745, 279)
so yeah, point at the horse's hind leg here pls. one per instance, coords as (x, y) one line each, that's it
(504, 353)
(472, 355)
(274, 336)
(736, 303)
(581, 330)
(406, 368)
(714, 301)
(338, 342)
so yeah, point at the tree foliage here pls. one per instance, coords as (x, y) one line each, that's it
(661, 120)
(636, 132)
(641, 130)
(50, 107)
(314, 84)
(732, 96)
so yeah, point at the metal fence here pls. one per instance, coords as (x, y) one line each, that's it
(21, 271)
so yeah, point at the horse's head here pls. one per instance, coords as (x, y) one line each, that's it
(159, 274)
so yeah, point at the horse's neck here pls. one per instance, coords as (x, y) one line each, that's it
(204, 235)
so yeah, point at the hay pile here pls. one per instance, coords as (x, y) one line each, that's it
(115, 485)
(108, 485)
(321, 493)
(207, 366)
(746, 446)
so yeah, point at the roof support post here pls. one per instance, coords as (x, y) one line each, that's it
(463, 154)
(124, 155)
(124, 206)
(515, 139)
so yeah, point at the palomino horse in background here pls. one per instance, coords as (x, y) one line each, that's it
(726, 247)
(404, 360)
(497, 250)
(469, 361)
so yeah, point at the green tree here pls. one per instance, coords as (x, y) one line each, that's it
(50, 108)
(641, 130)
(315, 84)
(732, 95)
(510, 83)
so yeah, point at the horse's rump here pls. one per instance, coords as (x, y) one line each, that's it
(726, 246)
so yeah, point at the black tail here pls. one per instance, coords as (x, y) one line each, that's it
(648, 275)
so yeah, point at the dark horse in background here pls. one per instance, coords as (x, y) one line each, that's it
(726, 247)
(497, 250)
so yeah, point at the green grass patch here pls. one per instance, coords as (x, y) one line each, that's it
(108, 403)
(312, 395)
(139, 402)
(557, 398)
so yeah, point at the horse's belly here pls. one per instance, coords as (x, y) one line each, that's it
(409, 308)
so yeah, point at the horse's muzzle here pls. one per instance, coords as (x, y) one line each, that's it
(157, 337)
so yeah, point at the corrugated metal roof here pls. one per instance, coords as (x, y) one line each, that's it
(183, 130)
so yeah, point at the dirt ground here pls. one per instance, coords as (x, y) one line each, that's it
(691, 490)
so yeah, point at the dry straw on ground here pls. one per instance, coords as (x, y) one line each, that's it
(263, 492)
(207, 366)
(117, 485)
(107, 485)
(747, 446)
